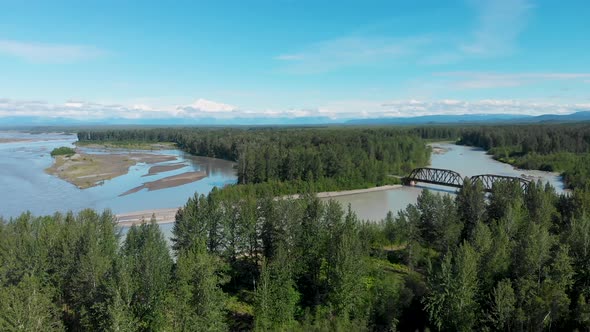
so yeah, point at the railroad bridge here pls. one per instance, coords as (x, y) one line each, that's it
(447, 177)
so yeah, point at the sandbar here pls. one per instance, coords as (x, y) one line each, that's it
(14, 140)
(164, 216)
(330, 194)
(439, 150)
(164, 168)
(169, 182)
(88, 170)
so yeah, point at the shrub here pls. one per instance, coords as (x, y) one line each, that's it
(63, 151)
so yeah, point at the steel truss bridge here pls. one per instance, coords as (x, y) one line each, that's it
(447, 177)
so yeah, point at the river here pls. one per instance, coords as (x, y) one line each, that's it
(25, 186)
(467, 161)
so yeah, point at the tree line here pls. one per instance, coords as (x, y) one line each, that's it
(330, 158)
(562, 148)
(515, 261)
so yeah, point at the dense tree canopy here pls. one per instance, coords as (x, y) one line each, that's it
(244, 261)
(331, 158)
(241, 258)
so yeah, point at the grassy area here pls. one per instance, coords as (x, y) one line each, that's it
(132, 145)
(63, 151)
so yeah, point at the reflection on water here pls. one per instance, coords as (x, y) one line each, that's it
(467, 161)
(25, 186)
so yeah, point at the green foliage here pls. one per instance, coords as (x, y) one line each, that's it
(287, 160)
(248, 259)
(452, 303)
(197, 302)
(276, 296)
(63, 151)
(27, 306)
(146, 254)
(558, 148)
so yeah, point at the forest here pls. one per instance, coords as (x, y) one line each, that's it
(292, 159)
(241, 259)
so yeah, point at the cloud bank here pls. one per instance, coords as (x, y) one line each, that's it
(342, 110)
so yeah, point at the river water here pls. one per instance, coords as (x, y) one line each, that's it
(467, 161)
(25, 186)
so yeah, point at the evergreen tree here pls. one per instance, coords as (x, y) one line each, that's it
(27, 306)
(470, 206)
(276, 297)
(452, 303)
(197, 302)
(148, 260)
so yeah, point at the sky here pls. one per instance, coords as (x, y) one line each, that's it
(292, 59)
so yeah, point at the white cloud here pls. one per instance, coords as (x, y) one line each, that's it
(337, 110)
(484, 80)
(209, 106)
(45, 52)
(499, 24)
(348, 51)
(290, 57)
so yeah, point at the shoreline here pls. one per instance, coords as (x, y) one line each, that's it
(167, 215)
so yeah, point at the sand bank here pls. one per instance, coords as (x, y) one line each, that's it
(164, 216)
(14, 140)
(169, 182)
(164, 168)
(330, 194)
(127, 145)
(88, 170)
(439, 150)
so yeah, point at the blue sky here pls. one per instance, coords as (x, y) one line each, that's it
(232, 59)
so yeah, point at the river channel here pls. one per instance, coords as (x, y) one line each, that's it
(467, 161)
(24, 186)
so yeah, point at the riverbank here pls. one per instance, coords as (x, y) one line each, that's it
(164, 216)
(127, 145)
(332, 194)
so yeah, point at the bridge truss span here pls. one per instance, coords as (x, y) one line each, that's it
(488, 180)
(447, 177)
(438, 176)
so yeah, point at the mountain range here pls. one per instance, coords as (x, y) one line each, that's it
(418, 120)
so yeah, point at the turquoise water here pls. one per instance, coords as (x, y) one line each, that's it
(25, 186)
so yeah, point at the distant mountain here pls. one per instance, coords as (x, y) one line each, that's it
(475, 118)
(305, 121)
(448, 119)
(42, 121)
(578, 116)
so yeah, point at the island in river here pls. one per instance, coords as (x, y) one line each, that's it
(168, 182)
(88, 170)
